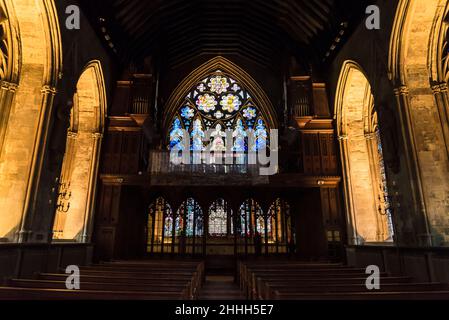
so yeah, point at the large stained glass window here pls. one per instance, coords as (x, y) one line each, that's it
(219, 103)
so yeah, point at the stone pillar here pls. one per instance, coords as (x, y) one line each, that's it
(66, 172)
(373, 155)
(414, 172)
(351, 221)
(7, 92)
(91, 191)
(46, 106)
(442, 101)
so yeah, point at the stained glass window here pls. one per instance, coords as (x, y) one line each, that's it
(218, 219)
(250, 214)
(193, 215)
(279, 222)
(218, 103)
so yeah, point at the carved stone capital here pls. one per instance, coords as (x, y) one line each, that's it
(97, 136)
(370, 135)
(72, 134)
(48, 90)
(401, 91)
(9, 86)
(440, 87)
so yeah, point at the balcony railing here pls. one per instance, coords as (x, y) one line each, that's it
(161, 162)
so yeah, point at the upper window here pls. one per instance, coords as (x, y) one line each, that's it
(218, 103)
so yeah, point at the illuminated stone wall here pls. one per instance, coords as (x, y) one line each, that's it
(19, 154)
(425, 120)
(82, 156)
(358, 146)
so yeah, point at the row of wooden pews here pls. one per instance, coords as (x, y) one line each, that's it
(119, 280)
(296, 280)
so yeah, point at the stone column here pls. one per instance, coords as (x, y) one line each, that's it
(373, 153)
(7, 93)
(351, 220)
(91, 191)
(442, 101)
(46, 106)
(65, 178)
(414, 172)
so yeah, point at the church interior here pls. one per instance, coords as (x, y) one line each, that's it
(349, 97)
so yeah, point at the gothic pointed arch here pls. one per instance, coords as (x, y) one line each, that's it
(31, 66)
(365, 184)
(418, 69)
(79, 171)
(227, 69)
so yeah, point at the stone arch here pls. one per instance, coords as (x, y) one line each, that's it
(361, 157)
(31, 72)
(80, 165)
(240, 75)
(417, 69)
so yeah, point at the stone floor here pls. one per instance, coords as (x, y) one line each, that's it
(220, 288)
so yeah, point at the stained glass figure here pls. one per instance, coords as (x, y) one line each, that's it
(176, 136)
(239, 136)
(260, 135)
(218, 100)
(218, 135)
(197, 136)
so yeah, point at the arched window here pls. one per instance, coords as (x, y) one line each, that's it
(190, 212)
(160, 225)
(250, 218)
(279, 220)
(220, 219)
(218, 103)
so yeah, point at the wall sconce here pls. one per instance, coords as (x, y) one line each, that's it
(64, 196)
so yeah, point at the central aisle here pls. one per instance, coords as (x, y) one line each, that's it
(220, 288)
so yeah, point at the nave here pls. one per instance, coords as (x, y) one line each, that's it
(128, 149)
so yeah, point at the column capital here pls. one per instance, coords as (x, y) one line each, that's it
(97, 135)
(72, 134)
(48, 90)
(402, 90)
(9, 86)
(439, 87)
(370, 135)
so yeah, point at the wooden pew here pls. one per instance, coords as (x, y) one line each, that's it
(12, 293)
(403, 295)
(297, 281)
(104, 286)
(270, 289)
(148, 280)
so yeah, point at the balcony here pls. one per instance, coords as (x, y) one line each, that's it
(224, 169)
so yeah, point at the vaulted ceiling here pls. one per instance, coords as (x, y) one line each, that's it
(259, 30)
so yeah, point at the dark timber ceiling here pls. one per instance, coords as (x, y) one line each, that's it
(259, 30)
